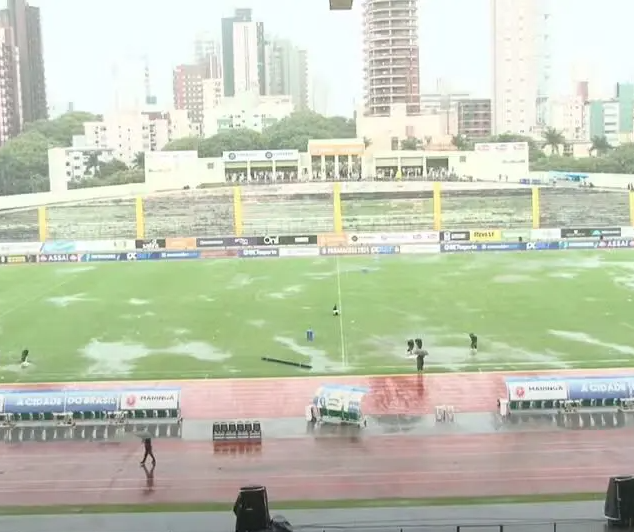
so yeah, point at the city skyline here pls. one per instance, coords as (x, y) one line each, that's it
(454, 48)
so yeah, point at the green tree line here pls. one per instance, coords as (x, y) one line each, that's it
(24, 159)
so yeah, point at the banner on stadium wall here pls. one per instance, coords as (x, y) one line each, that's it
(545, 234)
(20, 248)
(299, 252)
(58, 257)
(579, 244)
(457, 247)
(151, 244)
(332, 240)
(180, 244)
(590, 232)
(370, 239)
(55, 247)
(455, 236)
(536, 390)
(486, 235)
(280, 240)
(419, 249)
(103, 257)
(619, 243)
(17, 259)
(225, 241)
(218, 253)
(360, 250)
(259, 252)
(627, 232)
(34, 402)
(516, 234)
(541, 246)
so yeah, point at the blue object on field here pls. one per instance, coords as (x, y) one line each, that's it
(310, 335)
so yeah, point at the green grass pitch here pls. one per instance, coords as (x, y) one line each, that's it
(151, 320)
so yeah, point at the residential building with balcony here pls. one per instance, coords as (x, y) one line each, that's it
(391, 56)
(10, 95)
(474, 118)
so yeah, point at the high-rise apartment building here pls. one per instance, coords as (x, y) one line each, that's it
(521, 64)
(10, 96)
(243, 54)
(188, 90)
(24, 20)
(391, 56)
(189, 80)
(474, 118)
(287, 71)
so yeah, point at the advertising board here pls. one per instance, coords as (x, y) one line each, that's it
(226, 241)
(180, 244)
(58, 257)
(51, 402)
(455, 236)
(620, 243)
(151, 244)
(103, 257)
(365, 239)
(55, 247)
(419, 249)
(259, 252)
(180, 255)
(578, 244)
(20, 248)
(600, 388)
(299, 252)
(281, 240)
(590, 232)
(17, 259)
(536, 390)
(545, 234)
(486, 235)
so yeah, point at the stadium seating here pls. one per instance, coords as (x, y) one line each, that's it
(237, 432)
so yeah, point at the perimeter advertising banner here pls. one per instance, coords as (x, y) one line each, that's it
(365, 239)
(573, 389)
(57, 402)
(360, 250)
(590, 232)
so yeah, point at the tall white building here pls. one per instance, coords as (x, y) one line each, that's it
(287, 71)
(128, 133)
(243, 54)
(246, 111)
(566, 114)
(391, 56)
(521, 64)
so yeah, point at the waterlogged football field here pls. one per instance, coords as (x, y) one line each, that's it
(149, 320)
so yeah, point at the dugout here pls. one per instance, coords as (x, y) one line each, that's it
(337, 404)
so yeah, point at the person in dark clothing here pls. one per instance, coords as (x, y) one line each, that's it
(474, 343)
(421, 354)
(24, 359)
(410, 347)
(147, 445)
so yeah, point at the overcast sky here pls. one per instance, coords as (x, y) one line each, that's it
(84, 38)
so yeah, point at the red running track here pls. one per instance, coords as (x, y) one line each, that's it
(383, 467)
(80, 473)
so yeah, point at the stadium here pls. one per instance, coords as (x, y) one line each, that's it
(146, 314)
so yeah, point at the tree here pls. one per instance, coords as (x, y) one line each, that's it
(292, 132)
(111, 167)
(600, 145)
(121, 177)
(461, 143)
(618, 160)
(24, 159)
(553, 139)
(139, 161)
(411, 144)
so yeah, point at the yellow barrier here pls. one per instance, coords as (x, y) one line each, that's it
(483, 235)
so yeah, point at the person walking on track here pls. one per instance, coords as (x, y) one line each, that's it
(147, 445)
